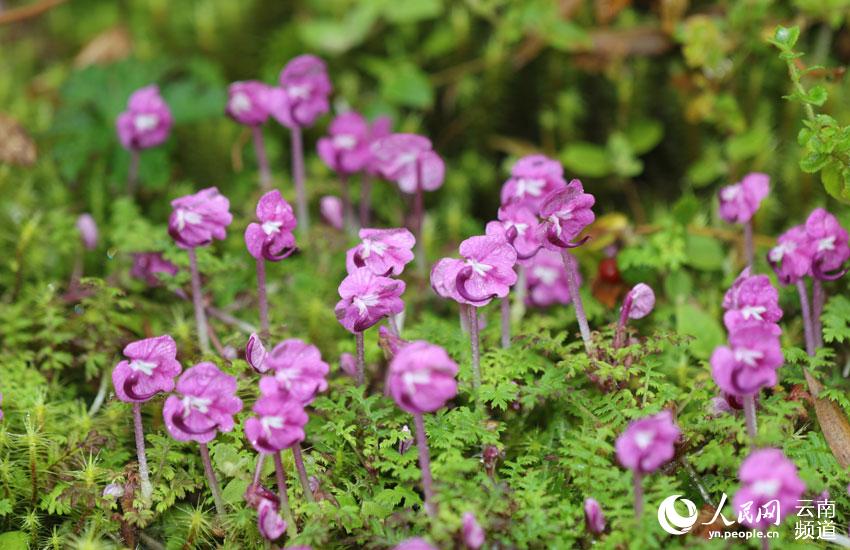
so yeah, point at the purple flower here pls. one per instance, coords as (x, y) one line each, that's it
(299, 372)
(348, 364)
(248, 102)
(751, 298)
(546, 280)
(148, 265)
(272, 237)
(444, 279)
(739, 202)
(473, 534)
(151, 367)
(381, 127)
(488, 270)
(829, 244)
(147, 120)
(269, 522)
(648, 443)
(332, 211)
(113, 491)
(279, 423)
(533, 178)
(383, 251)
(206, 406)
(791, 258)
(255, 354)
(410, 161)
(422, 377)
(593, 517)
(564, 215)
(640, 300)
(88, 231)
(346, 149)
(303, 93)
(518, 225)
(750, 361)
(767, 478)
(198, 219)
(414, 544)
(367, 298)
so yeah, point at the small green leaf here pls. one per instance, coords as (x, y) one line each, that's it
(14, 540)
(644, 135)
(585, 159)
(817, 96)
(786, 37)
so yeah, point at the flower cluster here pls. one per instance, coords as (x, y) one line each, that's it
(818, 248)
(767, 477)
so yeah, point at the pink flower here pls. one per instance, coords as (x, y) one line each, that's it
(147, 120)
(389, 342)
(791, 258)
(255, 354)
(422, 377)
(303, 93)
(739, 202)
(367, 298)
(518, 225)
(533, 178)
(473, 534)
(381, 127)
(648, 443)
(198, 219)
(750, 361)
(639, 302)
(248, 102)
(383, 251)
(488, 270)
(829, 244)
(299, 372)
(751, 298)
(546, 280)
(593, 517)
(768, 481)
(272, 237)
(444, 279)
(346, 149)
(564, 215)
(332, 211)
(148, 265)
(414, 544)
(269, 522)
(151, 369)
(88, 231)
(206, 406)
(410, 161)
(279, 423)
(348, 364)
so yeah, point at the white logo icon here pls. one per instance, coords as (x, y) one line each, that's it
(671, 521)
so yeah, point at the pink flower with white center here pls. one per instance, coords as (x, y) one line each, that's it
(279, 423)
(367, 298)
(271, 238)
(303, 93)
(150, 368)
(564, 215)
(382, 251)
(256, 355)
(299, 372)
(648, 443)
(593, 517)
(198, 219)
(248, 102)
(414, 544)
(769, 482)
(473, 534)
(147, 120)
(829, 245)
(410, 161)
(422, 377)
(518, 226)
(751, 299)
(750, 361)
(791, 258)
(546, 280)
(205, 406)
(346, 149)
(147, 267)
(739, 202)
(444, 279)
(488, 270)
(533, 178)
(332, 211)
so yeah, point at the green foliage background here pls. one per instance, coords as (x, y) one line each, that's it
(653, 104)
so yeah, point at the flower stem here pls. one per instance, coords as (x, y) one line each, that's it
(424, 464)
(347, 208)
(418, 216)
(818, 301)
(133, 172)
(463, 311)
(365, 199)
(765, 542)
(262, 161)
(213, 482)
(198, 299)
(361, 358)
(258, 469)
(474, 335)
(520, 292)
(262, 298)
(302, 472)
(750, 417)
(621, 323)
(291, 528)
(144, 473)
(749, 249)
(637, 480)
(807, 316)
(506, 322)
(571, 265)
(298, 176)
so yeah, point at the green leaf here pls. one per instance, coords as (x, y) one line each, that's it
(704, 253)
(585, 159)
(339, 35)
(644, 135)
(14, 540)
(836, 319)
(704, 328)
(813, 162)
(786, 37)
(816, 96)
(836, 181)
(411, 12)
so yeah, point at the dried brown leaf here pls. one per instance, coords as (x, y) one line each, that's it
(16, 146)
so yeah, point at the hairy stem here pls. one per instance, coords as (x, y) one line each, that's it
(637, 480)
(361, 358)
(258, 469)
(262, 297)
(291, 528)
(213, 482)
(365, 199)
(571, 266)
(818, 301)
(807, 316)
(749, 249)
(474, 336)
(198, 300)
(347, 208)
(262, 161)
(298, 176)
(144, 474)
(418, 218)
(750, 417)
(620, 334)
(302, 472)
(424, 464)
(506, 322)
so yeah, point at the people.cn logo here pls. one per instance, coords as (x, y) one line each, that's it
(671, 521)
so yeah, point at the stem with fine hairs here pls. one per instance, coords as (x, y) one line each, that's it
(750, 417)
(506, 322)
(361, 358)
(475, 345)
(144, 473)
(302, 472)
(818, 301)
(749, 250)
(262, 297)
(571, 266)
(291, 528)
(637, 480)
(198, 300)
(424, 464)
(298, 176)
(807, 317)
(213, 482)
